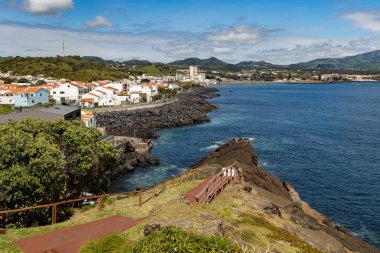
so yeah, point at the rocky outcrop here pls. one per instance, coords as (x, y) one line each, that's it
(240, 151)
(190, 108)
(279, 198)
(130, 159)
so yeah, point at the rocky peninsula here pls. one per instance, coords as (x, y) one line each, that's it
(265, 195)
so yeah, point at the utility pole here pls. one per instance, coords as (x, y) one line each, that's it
(63, 48)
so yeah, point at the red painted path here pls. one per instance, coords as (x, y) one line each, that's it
(69, 240)
(193, 192)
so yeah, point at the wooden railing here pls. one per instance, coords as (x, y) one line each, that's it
(217, 183)
(154, 190)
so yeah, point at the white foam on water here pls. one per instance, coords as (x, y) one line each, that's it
(210, 147)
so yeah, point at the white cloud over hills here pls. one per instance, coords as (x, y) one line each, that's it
(44, 7)
(98, 22)
(365, 20)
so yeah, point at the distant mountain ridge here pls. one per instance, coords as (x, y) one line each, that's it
(367, 62)
(362, 62)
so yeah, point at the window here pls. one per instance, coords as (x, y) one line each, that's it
(61, 92)
(110, 101)
(68, 86)
(32, 101)
(40, 94)
(31, 95)
(54, 92)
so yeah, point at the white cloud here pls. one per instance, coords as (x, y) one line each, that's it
(365, 20)
(222, 50)
(46, 7)
(239, 35)
(173, 45)
(98, 22)
(178, 49)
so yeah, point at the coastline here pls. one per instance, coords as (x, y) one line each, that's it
(188, 108)
(340, 232)
(292, 82)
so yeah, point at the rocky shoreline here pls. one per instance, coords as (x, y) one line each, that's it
(189, 108)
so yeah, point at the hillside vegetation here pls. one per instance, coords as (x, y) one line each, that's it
(365, 62)
(69, 67)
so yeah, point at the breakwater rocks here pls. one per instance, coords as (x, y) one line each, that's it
(190, 108)
(279, 201)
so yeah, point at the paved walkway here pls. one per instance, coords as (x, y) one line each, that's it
(69, 240)
(132, 107)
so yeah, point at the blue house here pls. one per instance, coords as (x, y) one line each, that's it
(29, 96)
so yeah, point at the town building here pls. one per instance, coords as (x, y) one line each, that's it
(24, 97)
(44, 113)
(67, 93)
(193, 72)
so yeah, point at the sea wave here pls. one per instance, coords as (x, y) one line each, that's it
(214, 146)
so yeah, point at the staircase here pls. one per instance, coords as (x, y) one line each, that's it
(213, 186)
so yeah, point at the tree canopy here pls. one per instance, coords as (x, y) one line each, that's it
(47, 161)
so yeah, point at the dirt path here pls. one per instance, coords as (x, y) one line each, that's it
(69, 240)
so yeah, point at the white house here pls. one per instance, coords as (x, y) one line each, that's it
(101, 96)
(67, 92)
(88, 118)
(118, 86)
(138, 92)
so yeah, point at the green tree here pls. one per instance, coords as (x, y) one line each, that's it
(40, 82)
(44, 162)
(22, 80)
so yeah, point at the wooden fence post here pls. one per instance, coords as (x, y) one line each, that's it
(53, 214)
(100, 202)
(140, 198)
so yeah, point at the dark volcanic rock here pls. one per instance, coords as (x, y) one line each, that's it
(280, 194)
(242, 152)
(190, 108)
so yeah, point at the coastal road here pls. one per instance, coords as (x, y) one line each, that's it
(133, 107)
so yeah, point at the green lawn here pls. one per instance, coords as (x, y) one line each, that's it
(5, 109)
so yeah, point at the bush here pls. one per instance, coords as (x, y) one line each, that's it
(176, 240)
(108, 244)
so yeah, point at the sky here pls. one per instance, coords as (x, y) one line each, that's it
(276, 31)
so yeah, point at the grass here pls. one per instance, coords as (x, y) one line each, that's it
(230, 215)
(168, 239)
(5, 109)
(127, 207)
(277, 233)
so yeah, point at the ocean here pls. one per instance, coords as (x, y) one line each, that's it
(324, 139)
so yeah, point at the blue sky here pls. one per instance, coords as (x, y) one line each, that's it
(165, 30)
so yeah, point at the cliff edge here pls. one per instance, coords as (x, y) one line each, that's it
(277, 198)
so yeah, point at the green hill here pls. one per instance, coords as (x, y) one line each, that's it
(211, 62)
(69, 67)
(365, 62)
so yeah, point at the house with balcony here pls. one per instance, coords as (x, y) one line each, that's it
(29, 96)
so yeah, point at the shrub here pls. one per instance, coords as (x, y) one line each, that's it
(176, 240)
(108, 244)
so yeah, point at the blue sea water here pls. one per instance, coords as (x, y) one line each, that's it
(323, 139)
